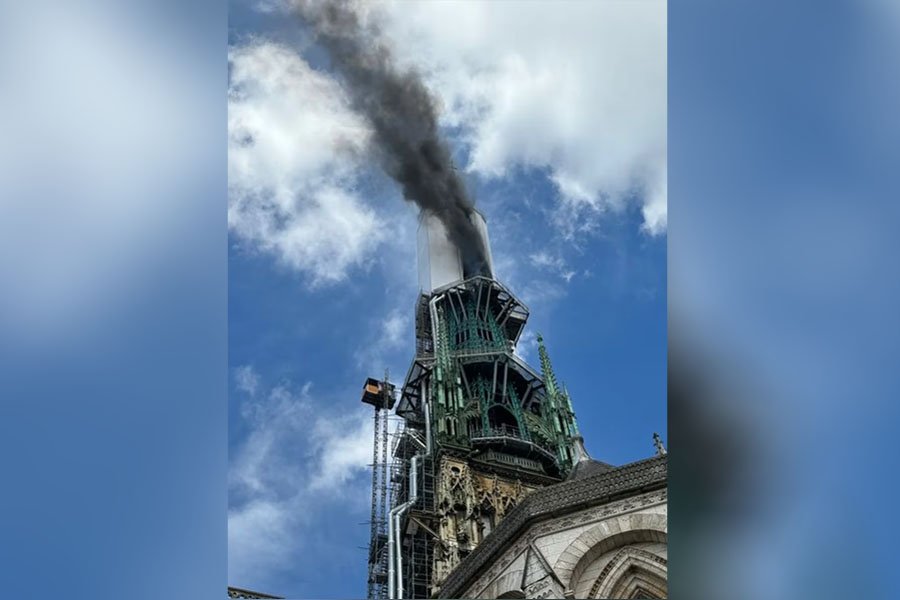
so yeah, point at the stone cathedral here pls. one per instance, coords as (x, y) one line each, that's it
(486, 489)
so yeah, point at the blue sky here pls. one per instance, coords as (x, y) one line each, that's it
(566, 158)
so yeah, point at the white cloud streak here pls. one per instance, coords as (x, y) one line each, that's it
(345, 450)
(527, 346)
(246, 379)
(386, 344)
(295, 459)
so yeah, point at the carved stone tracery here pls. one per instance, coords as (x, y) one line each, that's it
(632, 570)
(469, 505)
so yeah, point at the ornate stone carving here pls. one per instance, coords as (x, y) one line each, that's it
(545, 588)
(629, 569)
(596, 514)
(468, 503)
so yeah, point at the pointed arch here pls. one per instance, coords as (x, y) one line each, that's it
(632, 573)
(605, 536)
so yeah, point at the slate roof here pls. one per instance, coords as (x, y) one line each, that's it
(588, 468)
(597, 486)
(585, 466)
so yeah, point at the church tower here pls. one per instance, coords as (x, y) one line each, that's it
(480, 428)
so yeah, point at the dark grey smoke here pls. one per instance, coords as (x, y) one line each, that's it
(403, 116)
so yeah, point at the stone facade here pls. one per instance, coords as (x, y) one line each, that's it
(470, 504)
(560, 543)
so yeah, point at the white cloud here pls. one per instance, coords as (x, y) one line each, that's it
(576, 88)
(346, 449)
(386, 343)
(246, 379)
(655, 207)
(527, 345)
(260, 540)
(394, 327)
(294, 150)
(297, 458)
(556, 264)
(544, 259)
(277, 421)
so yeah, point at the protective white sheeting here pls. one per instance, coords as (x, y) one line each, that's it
(439, 260)
(481, 226)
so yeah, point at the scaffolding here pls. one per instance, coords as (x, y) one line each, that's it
(380, 394)
(420, 522)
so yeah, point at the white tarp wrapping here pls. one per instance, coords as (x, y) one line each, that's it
(439, 260)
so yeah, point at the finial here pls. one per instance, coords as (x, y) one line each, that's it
(657, 441)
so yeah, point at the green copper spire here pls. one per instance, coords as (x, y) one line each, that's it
(547, 368)
(563, 416)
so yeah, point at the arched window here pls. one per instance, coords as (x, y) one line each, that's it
(630, 564)
(512, 594)
(632, 573)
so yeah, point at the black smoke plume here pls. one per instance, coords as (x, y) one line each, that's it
(403, 116)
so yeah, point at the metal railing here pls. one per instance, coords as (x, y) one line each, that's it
(507, 431)
(496, 431)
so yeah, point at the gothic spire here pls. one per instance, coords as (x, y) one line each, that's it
(547, 368)
(561, 404)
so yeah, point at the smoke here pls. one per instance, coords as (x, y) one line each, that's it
(403, 116)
